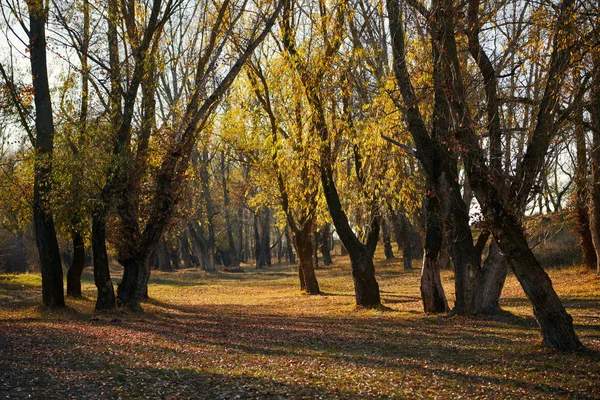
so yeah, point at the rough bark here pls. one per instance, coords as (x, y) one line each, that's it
(77, 265)
(432, 291)
(489, 282)
(45, 233)
(305, 248)
(555, 323)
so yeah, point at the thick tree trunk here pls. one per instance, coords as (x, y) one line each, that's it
(366, 288)
(489, 282)
(387, 238)
(555, 323)
(134, 285)
(106, 293)
(305, 249)
(77, 265)
(432, 291)
(45, 234)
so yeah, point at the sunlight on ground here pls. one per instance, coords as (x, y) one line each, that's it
(254, 335)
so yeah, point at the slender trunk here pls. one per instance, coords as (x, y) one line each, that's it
(263, 238)
(232, 250)
(582, 216)
(77, 265)
(387, 238)
(106, 292)
(291, 257)
(595, 159)
(45, 234)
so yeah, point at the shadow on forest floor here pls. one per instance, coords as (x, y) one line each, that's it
(256, 336)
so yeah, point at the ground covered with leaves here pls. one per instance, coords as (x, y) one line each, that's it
(254, 335)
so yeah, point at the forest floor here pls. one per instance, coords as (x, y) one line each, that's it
(254, 335)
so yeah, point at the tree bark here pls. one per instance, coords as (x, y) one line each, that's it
(595, 159)
(262, 229)
(582, 216)
(45, 234)
(387, 238)
(489, 282)
(555, 323)
(432, 291)
(305, 249)
(106, 292)
(291, 257)
(324, 242)
(77, 265)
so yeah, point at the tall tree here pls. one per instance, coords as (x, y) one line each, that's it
(45, 233)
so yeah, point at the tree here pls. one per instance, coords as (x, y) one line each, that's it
(45, 234)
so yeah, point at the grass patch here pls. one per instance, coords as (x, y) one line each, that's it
(254, 335)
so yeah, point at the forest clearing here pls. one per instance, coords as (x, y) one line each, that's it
(255, 335)
(176, 175)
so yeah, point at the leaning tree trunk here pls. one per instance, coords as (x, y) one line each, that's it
(554, 321)
(106, 292)
(43, 222)
(77, 265)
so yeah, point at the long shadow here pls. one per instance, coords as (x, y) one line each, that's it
(380, 344)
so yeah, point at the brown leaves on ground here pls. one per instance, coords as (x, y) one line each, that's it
(254, 335)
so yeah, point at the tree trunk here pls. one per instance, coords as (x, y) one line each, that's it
(387, 238)
(305, 249)
(228, 227)
(77, 265)
(595, 158)
(291, 257)
(262, 234)
(136, 274)
(489, 282)
(106, 292)
(45, 234)
(164, 261)
(582, 216)
(324, 240)
(432, 291)
(201, 248)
